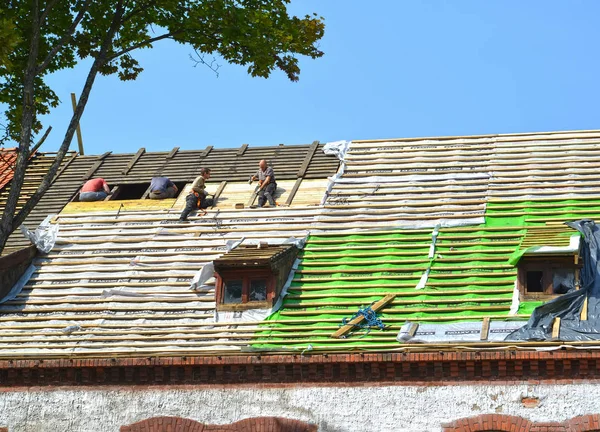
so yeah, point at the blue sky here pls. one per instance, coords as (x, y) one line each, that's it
(392, 68)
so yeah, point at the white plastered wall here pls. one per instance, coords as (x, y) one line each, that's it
(335, 409)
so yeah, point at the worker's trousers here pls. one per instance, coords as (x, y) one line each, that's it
(92, 196)
(191, 204)
(267, 194)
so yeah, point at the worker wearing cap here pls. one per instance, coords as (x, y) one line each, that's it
(197, 199)
(94, 190)
(162, 188)
(266, 184)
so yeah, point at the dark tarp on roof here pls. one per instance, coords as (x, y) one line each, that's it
(568, 307)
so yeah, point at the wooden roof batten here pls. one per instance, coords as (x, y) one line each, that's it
(99, 160)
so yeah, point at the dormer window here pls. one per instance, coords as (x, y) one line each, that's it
(545, 277)
(252, 277)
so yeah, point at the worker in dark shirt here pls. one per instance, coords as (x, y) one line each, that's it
(161, 188)
(197, 199)
(94, 190)
(266, 184)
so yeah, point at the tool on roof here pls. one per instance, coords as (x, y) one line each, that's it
(368, 314)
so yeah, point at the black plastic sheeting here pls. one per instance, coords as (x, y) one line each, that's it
(568, 306)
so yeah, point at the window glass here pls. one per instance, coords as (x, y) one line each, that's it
(535, 281)
(562, 280)
(258, 290)
(233, 291)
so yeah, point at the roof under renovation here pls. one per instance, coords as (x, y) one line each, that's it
(38, 166)
(429, 233)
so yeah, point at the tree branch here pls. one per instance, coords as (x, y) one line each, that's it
(213, 65)
(65, 37)
(41, 141)
(27, 118)
(47, 9)
(89, 82)
(135, 11)
(139, 45)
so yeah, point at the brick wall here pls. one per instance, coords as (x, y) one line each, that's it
(433, 368)
(506, 423)
(259, 424)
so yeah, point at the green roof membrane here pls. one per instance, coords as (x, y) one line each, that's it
(470, 275)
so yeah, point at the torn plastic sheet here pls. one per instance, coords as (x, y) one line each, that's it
(424, 278)
(204, 278)
(44, 236)
(18, 286)
(337, 148)
(458, 332)
(514, 305)
(331, 182)
(568, 306)
(201, 278)
(434, 235)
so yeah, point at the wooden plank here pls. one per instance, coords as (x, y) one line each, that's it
(114, 193)
(63, 168)
(292, 194)
(556, 328)
(218, 193)
(79, 138)
(413, 329)
(147, 193)
(172, 153)
(242, 150)
(376, 307)
(253, 197)
(206, 151)
(485, 328)
(133, 160)
(309, 155)
(584, 310)
(40, 142)
(96, 165)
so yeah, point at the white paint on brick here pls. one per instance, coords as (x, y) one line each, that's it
(389, 408)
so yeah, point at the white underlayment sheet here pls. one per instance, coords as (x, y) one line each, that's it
(458, 332)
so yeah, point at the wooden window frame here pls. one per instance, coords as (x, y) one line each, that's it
(245, 276)
(547, 265)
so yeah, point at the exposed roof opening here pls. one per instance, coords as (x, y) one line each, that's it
(129, 191)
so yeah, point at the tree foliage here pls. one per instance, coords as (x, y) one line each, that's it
(259, 34)
(40, 37)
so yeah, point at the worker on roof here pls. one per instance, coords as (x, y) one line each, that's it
(197, 199)
(94, 190)
(266, 184)
(162, 188)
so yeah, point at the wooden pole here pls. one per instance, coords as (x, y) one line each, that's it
(79, 138)
(376, 307)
